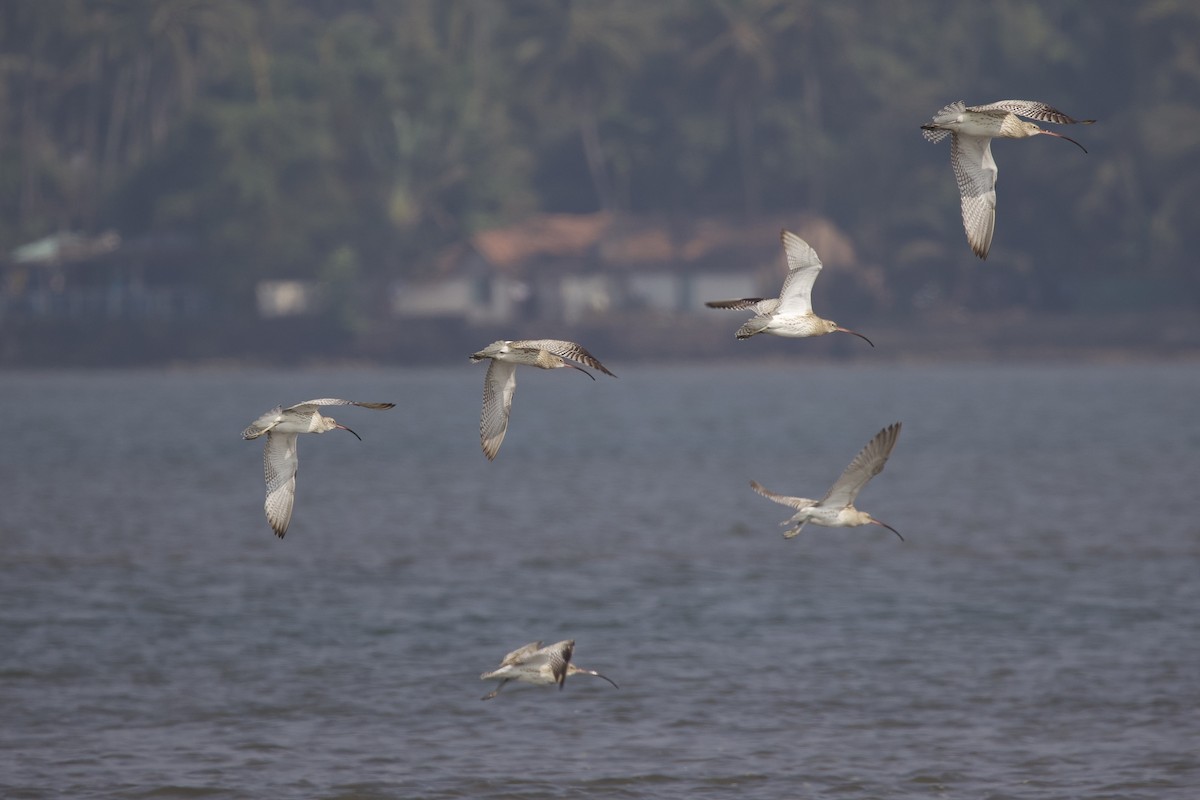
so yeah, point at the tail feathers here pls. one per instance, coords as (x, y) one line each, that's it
(933, 134)
(933, 131)
(753, 325)
(792, 533)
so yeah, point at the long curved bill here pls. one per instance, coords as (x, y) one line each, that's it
(856, 333)
(889, 527)
(598, 675)
(343, 427)
(1068, 138)
(581, 369)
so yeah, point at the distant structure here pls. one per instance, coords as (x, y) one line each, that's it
(71, 276)
(574, 267)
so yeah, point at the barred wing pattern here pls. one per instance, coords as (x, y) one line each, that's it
(280, 464)
(563, 349)
(791, 502)
(865, 466)
(946, 114)
(1032, 109)
(498, 387)
(975, 171)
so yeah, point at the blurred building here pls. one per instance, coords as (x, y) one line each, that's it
(573, 268)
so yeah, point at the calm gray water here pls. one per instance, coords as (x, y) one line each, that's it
(1036, 636)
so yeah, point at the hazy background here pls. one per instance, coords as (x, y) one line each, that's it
(219, 144)
(1035, 634)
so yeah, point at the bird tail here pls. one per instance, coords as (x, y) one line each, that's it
(792, 533)
(753, 325)
(933, 133)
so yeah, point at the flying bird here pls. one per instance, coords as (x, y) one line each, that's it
(836, 509)
(971, 130)
(282, 426)
(537, 665)
(791, 313)
(501, 379)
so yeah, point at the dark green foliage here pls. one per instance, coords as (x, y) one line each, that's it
(288, 136)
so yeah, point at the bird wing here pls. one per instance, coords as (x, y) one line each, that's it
(745, 302)
(280, 464)
(278, 414)
(803, 267)
(498, 387)
(566, 350)
(520, 654)
(792, 502)
(1032, 109)
(975, 171)
(866, 465)
(313, 405)
(796, 295)
(534, 658)
(558, 656)
(798, 252)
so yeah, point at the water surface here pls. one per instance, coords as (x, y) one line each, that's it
(1037, 635)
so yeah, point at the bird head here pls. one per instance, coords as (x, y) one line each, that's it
(1033, 130)
(328, 424)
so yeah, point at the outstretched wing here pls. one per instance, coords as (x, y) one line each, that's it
(313, 405)
(803, 267)
(498, 387)
(745, 302)
(1032, 109)
(798, 252)
(566, 350)
(558, 656)
(278, 414)
(796, 295)
(520, 654)
(975, 171)
(866, 465)
(280, 464)
(791, 502)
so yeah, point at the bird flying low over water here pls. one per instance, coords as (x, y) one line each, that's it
(539, 666)
(972, 129)
(282, 426)
(501, 379)
(836, 509)
(791, 313)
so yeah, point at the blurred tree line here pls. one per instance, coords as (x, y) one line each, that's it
(350, 139)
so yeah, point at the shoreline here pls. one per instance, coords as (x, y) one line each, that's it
(993, 337)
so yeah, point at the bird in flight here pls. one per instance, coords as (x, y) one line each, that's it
(836, 509)
(539, 666)
(791, 313)
(501, 379)
(971, 130)
(282, 426)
